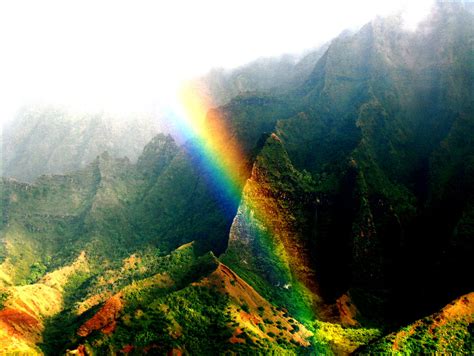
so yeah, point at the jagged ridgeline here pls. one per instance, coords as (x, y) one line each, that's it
(73, 140)
(351, 231)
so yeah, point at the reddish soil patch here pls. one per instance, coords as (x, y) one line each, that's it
(127, 349)
(19, 323)
(249, 317)
(234, 339)
(81, 350)
(105, 318)
(347, 311)
(462, 307)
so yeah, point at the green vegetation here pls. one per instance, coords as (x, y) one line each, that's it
(190, 319)
(453, 337)
(337, 337)
(160, 315)
(4, 295)
(37, 270)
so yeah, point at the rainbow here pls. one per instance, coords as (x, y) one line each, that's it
(224, 159)
(219, 153)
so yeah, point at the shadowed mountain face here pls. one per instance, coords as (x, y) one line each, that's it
(374, 118)
(356, 216)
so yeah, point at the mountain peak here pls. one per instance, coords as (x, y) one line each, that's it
(156, 155)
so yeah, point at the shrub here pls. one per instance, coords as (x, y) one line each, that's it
(4, 295)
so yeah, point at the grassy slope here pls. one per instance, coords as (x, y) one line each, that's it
(24, 312)
(173, 302)
(447, 331)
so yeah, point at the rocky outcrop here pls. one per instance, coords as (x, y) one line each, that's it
(269, 235)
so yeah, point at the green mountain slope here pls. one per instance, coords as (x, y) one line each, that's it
(109, 209)
(154, 303)
(268, 241)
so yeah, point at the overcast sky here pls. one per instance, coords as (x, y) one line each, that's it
(130, 55)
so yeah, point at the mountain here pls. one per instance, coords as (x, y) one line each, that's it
(228, 315)
(108, 209)
(370, 124)
(271, 247)
(48, 140)
(141, 307)
(354, 219)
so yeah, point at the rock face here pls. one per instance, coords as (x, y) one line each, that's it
(156, 155)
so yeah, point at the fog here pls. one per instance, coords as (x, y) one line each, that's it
(130, 57)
